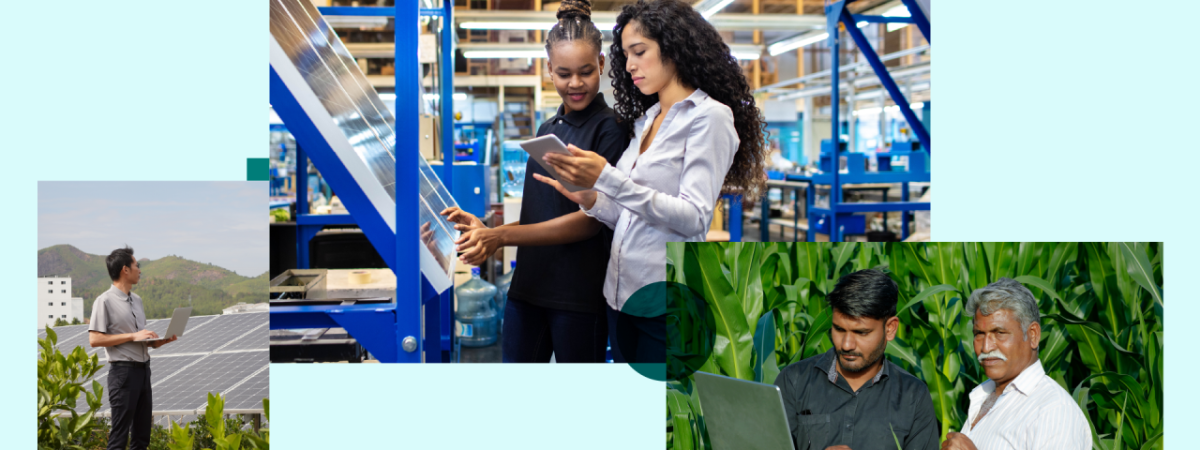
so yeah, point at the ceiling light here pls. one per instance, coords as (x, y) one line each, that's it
(485, 54)
(709, 7)
(544, 26)
(793, 43)
(899, 11)
(356, 21)
(507, 25)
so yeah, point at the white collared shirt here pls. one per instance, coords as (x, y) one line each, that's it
(1033, 412)
(668, 196)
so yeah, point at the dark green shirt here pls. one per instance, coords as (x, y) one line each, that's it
(823, 410)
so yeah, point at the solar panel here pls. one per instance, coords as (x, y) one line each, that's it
(343, 106)
(160, 369)
(217, 372)
(248, 394)
(256, 338)
(214, 334)
(220, 354)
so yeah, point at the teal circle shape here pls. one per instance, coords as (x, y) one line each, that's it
(689, 335)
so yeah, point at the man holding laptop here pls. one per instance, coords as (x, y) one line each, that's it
(851, 397)
(119, 325)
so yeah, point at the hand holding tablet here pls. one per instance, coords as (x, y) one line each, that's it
(550, 144)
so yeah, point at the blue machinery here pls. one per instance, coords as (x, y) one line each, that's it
(835, 218)
(363, 152)
(839, 219)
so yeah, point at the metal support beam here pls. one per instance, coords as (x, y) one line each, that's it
(833, 13)
(408, 142)
(885, 78)
(918, 17)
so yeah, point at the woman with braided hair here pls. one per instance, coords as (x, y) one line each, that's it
(556, 302)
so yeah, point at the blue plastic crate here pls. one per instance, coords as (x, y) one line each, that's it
(849, 223)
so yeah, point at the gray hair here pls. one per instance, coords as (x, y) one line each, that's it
(1005, 294)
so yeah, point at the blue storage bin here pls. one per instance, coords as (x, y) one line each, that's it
(849, 223)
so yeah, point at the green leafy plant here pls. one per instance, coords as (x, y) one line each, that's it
(213, 413)
(181, 439)
(261, 438)
(213, 431)
(60, 383)
(1101, 307)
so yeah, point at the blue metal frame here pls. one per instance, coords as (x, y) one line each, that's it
(381, 329)
(835, 14)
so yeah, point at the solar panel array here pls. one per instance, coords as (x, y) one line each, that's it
(225, 354)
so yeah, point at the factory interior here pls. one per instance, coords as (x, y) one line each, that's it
(344, 213)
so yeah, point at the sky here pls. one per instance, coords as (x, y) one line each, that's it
(224, 223)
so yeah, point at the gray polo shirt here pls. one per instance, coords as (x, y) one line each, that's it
(117, 313)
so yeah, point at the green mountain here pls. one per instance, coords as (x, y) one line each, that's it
(166, 283)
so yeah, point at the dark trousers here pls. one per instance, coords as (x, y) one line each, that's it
(642, 339)
(532, 332)
(129, 395)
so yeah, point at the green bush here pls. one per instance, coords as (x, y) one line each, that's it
(60, 383)
(213, 431)
(1101, 307)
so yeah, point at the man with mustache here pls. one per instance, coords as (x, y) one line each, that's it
(851, 397)
(1019, 407)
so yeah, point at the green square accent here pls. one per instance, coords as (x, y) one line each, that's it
(258, 169)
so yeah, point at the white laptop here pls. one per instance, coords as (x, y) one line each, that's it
(178, 322)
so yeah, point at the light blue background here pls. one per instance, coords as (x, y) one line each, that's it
(156, 90)
(1075, 121)
(1067, 120)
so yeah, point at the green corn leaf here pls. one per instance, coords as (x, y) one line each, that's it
(1039, 283)
(675, 252)
(925, 294)
(734, 339)
(1093, 346)
(898, 348)
(841, 254)
(1140, 270)
(1154, 443)
(764, 348)
(942, 392)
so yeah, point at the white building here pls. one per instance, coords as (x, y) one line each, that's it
(243, 307)
(55, 301)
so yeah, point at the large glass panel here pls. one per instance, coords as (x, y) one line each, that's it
(329, 69)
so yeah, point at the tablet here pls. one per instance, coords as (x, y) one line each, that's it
(549, 144)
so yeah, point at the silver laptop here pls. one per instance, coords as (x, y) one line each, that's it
(178, 323)
(743, 415)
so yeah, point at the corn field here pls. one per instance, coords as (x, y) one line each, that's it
(1101, 316)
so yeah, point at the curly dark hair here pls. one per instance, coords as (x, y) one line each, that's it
(702, 61)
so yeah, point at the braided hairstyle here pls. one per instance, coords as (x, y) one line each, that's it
(703, 61)
(574, 22)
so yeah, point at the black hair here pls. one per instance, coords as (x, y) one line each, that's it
(866, 293)
(117, 260)
(702, 61)
(574, 23)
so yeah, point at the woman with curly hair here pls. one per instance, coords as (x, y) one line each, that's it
(696, 133)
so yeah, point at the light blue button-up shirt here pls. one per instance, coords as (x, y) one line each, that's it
(666, 194)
